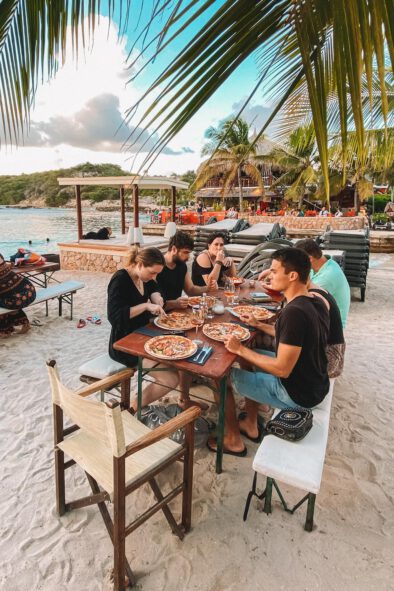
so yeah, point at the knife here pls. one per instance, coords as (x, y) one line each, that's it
(205, 353)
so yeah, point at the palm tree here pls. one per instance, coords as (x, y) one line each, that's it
(327, 47)
(300, 162)
(235, 155)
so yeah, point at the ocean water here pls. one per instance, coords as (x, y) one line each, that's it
(18, 226)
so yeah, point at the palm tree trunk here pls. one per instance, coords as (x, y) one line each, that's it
(240, 190)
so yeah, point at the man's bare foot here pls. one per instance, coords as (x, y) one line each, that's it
(184, 404)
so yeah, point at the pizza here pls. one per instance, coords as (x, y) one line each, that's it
(170, 347)
(258, 313)
(238, 280)
(175, 321)
(197, 300)
(218, 331)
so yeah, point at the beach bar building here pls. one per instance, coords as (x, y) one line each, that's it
(110, 255)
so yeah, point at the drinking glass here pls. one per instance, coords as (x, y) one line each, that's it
(210, 304)
(254, 269)
(229, 290)
(197, 319)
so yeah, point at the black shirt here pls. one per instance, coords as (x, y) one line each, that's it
(304, 323)
(123, 295)
(172, 281)
(335, 335)
(198, 271)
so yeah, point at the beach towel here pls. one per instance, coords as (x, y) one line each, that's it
(27, 257)
(16, 292)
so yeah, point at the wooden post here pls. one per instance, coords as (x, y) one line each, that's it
(122, 210)
(79, 211)
(173, 203)
(135, 200)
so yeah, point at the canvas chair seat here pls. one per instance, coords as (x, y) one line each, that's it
(96, 458)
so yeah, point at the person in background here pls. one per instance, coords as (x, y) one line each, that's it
(212, 264)
(16, 292)
(102, 234)
(328, 274)
(323, 212)
(300, 213)
(338, 213)
(133, 298)
(175, 278)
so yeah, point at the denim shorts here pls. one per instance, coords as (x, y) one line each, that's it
(261, 386)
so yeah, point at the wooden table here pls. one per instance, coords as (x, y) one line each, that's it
(217, 367)
(39, 275)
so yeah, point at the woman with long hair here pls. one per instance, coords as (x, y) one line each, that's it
(133, 298)
(212, 264)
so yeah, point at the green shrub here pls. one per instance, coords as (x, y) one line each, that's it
(380, 202)
(380, 217)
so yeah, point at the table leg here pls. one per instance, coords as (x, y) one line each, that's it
(220, 430)
(139, 388)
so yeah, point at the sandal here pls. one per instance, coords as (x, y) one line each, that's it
(94, 319)
(81, 323)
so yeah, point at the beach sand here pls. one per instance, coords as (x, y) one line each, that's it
(351, 547)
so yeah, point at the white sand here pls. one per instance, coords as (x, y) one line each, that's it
(350, 549)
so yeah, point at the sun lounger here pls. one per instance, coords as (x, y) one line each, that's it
(63, 292)
(299, 464)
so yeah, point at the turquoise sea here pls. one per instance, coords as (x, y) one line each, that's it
(18, 226)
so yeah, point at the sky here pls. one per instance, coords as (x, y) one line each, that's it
(79, 115)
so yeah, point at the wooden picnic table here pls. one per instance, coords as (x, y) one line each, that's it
(39, 275)
(217, 367)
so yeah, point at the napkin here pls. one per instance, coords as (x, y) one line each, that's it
(203, 358)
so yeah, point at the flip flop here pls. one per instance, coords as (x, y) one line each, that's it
(229, 452)
(81, 323)
(254, 439)
(94, 319)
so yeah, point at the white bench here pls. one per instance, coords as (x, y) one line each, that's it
(102, 367)
(62, 291)
(296, 463)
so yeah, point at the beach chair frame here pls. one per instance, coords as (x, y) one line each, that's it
(76, 406)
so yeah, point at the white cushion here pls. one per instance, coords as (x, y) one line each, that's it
(100, 367)
(298, 463)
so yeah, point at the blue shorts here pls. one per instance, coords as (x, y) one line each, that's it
(261, 386)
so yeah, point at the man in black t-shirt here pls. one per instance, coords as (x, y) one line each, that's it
(175, 278)
(296, 375)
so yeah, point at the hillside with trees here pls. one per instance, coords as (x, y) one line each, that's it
(44, 186)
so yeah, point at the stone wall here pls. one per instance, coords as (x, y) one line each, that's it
(74, 258)
(309, 223)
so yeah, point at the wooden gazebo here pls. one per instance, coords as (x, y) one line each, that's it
(133, 182)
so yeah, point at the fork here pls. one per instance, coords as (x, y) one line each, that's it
(201, 353)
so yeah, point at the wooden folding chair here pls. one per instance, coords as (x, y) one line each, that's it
(118, 455)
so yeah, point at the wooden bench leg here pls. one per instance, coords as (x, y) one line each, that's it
(268, 496)
(309, 512)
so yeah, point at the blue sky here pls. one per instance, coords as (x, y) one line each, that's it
(76, 115)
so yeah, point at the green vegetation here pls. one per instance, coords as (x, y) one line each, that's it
(380, 217)
(378, 203)
(232, 153)
(14, 189)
